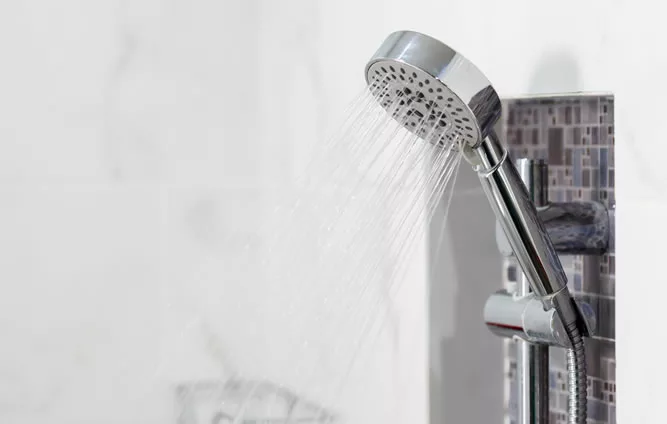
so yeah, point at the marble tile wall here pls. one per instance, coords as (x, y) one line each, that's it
(575, 135)
(143, 147)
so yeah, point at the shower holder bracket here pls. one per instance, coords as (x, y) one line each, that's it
(509, 315)
(575, 228)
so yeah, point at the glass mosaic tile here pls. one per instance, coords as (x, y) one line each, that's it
(576, 135)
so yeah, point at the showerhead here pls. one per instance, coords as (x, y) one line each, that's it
(443, 98)
(432, 90)
(440, 96)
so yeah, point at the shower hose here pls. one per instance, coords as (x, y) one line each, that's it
(577, 383)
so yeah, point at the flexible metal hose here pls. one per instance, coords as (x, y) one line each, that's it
(577, 382)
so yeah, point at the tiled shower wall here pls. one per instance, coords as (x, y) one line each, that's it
(575, 135)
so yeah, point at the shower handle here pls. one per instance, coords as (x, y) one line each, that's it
(525, 232)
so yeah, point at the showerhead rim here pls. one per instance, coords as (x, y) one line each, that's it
(445, 66)
(402, 34)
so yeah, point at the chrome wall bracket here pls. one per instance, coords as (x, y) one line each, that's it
(513, 316)
(575, 228)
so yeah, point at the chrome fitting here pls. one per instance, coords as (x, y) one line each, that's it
(508, 315)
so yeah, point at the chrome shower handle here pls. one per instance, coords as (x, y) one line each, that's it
(518, 217)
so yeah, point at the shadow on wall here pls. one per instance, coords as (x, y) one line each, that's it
(556, 72)
(465, 359)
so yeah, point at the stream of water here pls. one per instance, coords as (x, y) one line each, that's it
(338, 248)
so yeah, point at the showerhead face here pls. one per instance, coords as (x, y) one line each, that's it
(432, 90)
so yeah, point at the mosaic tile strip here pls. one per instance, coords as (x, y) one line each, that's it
(575, 135)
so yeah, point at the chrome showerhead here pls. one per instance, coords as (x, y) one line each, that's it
(440, 96)
(432, 90)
